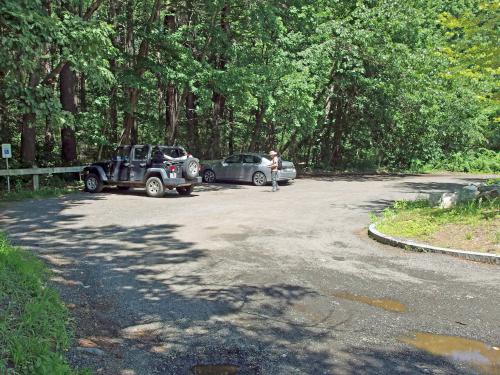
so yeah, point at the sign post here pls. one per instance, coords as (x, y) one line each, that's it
(7, 154)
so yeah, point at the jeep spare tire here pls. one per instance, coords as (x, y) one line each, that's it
(191, 168)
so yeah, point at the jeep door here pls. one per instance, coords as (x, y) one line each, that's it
(120, 170)
(139, 161)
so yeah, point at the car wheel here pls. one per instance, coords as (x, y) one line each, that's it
(209, 176)
(154, 187)
(259, 179)
(185, 190)
(191, 168)
(93, 183)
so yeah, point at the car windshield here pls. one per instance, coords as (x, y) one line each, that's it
(122, 153)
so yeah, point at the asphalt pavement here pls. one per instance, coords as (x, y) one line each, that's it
(236, 279)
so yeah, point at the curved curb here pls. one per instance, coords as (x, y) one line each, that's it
(419, 247)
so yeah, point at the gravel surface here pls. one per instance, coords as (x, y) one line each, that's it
(272, 283)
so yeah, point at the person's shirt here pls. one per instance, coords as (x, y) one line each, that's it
(274, 163)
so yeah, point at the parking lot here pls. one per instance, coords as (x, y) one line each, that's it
(269, 283)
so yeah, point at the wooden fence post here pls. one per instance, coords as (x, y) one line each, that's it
(36, 182)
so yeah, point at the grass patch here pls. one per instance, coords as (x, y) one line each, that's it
(44, 192)
(470, 226)
(33, 320)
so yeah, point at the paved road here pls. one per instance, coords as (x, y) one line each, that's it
(279, 283)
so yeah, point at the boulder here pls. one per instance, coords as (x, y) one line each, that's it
(448, 200)
(489, 192)
(468, 193)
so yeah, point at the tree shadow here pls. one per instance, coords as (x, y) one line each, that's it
(155, 303)
(354, 177)
(220, 186)
(139, 289)
(432, 187)
(403, 361)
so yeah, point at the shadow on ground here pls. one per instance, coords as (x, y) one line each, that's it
(150, 302)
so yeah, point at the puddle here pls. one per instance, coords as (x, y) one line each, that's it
(485, 358)
(215, 370)
(340, 244)
(234, 237)
(382, 303)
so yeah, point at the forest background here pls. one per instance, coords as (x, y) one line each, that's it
(331, 84)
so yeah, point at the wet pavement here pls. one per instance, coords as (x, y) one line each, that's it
(236, 280)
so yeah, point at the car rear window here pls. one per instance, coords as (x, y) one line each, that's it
(174, 152)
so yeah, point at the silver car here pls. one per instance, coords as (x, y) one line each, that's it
(249, 167)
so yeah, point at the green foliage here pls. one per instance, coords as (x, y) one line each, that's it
(33, 320)
(482, 160)
(332, 84)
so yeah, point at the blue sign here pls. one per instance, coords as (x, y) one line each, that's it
(6, 151)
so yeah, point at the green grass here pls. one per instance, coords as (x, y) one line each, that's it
(416, 219)
(33, 320)
(44, 192)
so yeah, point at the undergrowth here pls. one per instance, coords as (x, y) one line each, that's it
(33, 320)
(417, 219)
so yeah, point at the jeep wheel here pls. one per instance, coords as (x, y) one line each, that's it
(154, 187)
(259, 179)
(209, 176)
(191, 168)
(186, 190)
(93, 183)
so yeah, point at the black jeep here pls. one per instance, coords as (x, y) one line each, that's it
(154, 167)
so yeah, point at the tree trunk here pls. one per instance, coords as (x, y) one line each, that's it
(171, 114)
(4, 110)
(192, 123)
(83, 94)
(28, 139)
(112, 136)
(130, 133)
(129, 129)
(28, 129)
(218, 98)
(67, 81)
(171, 95)
(231, 132)
(336, 144)
(219, 102)
(49, 141)
(259, 117)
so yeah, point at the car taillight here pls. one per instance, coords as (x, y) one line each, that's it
(172, 168)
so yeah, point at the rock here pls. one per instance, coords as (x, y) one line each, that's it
(434, 199)
(468, 193)
(92, 351)
(489, 192)
(87, 343)
(448, 200)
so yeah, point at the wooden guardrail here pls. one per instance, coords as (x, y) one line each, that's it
(36, 172)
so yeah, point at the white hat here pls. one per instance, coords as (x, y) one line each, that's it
(272, 153)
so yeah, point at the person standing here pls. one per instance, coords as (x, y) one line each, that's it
(274, 169)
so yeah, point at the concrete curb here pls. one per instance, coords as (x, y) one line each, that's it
(419, 247)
